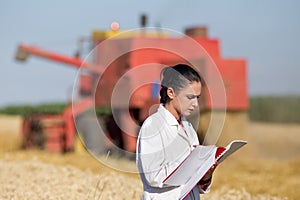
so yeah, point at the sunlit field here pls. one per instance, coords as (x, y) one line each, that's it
(267, 168)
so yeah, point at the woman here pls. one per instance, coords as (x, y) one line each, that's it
(166, 137)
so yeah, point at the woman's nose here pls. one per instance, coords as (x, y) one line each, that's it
(195, 103)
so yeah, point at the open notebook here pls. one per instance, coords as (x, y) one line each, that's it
(197, 163)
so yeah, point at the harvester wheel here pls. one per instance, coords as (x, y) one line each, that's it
(90, 129)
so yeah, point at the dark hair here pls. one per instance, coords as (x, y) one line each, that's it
(176, 77)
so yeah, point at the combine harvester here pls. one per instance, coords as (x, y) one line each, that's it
(108, 69)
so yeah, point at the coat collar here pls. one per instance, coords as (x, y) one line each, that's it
(171, 120)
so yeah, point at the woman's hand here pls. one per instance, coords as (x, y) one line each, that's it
(206, 180)
(209, 173)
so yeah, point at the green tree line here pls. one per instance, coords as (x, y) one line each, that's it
(283, 109)
(46, 108)
(24, 110)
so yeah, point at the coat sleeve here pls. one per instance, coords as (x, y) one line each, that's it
(151, 159)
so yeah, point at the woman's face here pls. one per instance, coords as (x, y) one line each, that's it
(186, 100)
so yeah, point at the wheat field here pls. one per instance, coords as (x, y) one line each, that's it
(268, 168)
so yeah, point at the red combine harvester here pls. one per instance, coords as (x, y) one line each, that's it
(114, 70)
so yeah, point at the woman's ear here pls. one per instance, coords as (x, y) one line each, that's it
(170, 93)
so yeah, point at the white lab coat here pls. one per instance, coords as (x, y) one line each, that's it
(162, 145)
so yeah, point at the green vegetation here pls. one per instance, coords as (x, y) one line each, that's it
(283, 109)
(24, 110)
(48, 108)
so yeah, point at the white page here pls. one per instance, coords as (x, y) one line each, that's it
(199, 159)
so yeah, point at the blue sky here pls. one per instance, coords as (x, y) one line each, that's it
(266, 33)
